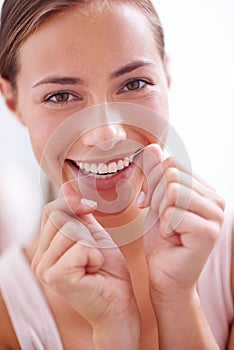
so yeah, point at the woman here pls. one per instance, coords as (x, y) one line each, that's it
(81, 58)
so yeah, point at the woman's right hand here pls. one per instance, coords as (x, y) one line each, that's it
(77, 258)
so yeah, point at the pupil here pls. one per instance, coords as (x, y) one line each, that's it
(62, 97)
(133, 85)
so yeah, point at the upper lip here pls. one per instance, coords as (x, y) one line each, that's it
(107, 159)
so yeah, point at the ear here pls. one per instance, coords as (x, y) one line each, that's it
(10, 98)
(8, 94)
(166, 63)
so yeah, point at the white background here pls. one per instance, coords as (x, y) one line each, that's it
(200, 41)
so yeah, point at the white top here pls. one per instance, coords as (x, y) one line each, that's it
(29, 312)
(214, 284)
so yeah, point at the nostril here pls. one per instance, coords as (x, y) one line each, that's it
(107, 145)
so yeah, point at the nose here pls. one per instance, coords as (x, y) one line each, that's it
(105, 136)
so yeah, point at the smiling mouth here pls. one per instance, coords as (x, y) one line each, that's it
(105, 170)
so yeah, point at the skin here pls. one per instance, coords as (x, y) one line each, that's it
(82, 47)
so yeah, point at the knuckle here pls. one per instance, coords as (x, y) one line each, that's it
(46, 210)
(70, 225)
(215, 233)
(49, 278)
(172, 192)
(220, 217)
(220, 202)
(172, 175)
(167, 215)
(39, 271)
(56, 216)
(71, 230)
(169, 162)
(34, 265)
(211, 232)
(46, 276)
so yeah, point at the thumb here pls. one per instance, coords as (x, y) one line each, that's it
(74, 201)
(101, 236)
(151, 158)
(115, 263)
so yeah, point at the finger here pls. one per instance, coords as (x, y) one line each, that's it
(185, 198)
(168, 172)
(69, 233)
(154, 239)
(192, 180)
(115, 263)
(56, 220)
(172, 163)
(169, 193)
(74, 200)
(182, 197)
(70, 203)
(100, 235)
(197, 239)
(154, 177)
(77, 261)
(209, 192)
(63, 223)
(194, 230)
(151, 157)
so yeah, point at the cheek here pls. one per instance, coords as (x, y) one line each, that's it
(38, 142)
(47, 150)
(159, 105)
(39, 134)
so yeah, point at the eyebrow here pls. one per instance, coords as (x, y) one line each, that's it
(77, 81)
(60, 80)
(131, 67)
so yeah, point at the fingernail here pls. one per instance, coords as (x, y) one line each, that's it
(88, 203)
(140, 199)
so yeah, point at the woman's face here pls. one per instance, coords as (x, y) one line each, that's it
(75, 61)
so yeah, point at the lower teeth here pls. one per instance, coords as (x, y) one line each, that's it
(101, 176)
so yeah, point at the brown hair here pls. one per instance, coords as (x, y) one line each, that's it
(20, 18)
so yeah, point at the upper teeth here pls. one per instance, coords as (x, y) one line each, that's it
(102, 168)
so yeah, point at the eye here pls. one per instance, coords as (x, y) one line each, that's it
(61, 97)
(135, 85)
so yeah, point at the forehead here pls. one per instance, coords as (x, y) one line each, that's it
(115, 33)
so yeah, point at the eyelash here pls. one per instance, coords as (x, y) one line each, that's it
(145, 82)
(49, 98)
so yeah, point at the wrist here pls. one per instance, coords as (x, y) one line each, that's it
(122, 333)
(176, 298)
(177, 305)
(184, 317)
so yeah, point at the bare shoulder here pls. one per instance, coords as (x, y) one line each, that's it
(231, 337)
(8, 339)
(232, 262)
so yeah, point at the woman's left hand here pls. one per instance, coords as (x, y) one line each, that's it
(182, 225)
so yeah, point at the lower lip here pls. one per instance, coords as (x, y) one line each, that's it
(109, 183)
